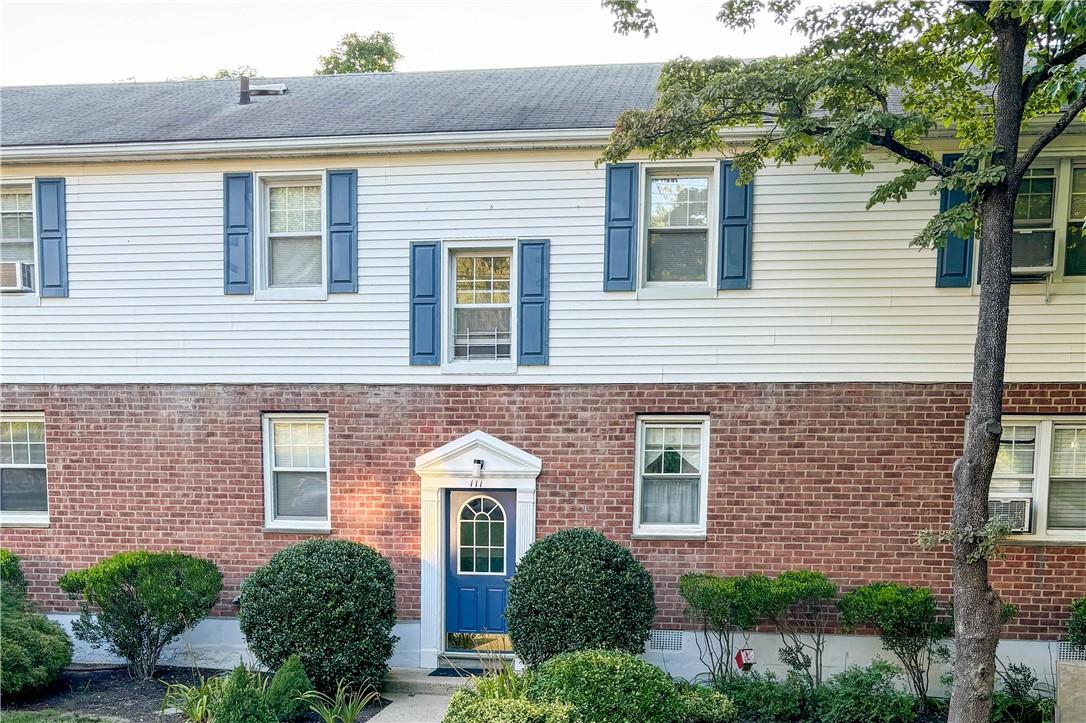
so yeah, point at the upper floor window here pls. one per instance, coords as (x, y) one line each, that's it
(1048, 219)
(17, 238)
(671, 484)
(1039, 481)
(1075, 259)
(292, 249)
(677, 243)
(296, 489)
(482, 306)
(23, 489)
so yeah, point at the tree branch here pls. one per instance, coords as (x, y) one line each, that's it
(910, 154)
(1068, 56)
(1048, 136)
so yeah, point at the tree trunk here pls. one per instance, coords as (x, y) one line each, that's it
(976, 605)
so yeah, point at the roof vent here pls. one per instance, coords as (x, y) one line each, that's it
(244, 98)
(248, 91)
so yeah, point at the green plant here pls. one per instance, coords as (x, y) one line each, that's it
(577, 590)
(332, 603)
(763, 698)
(344, 707)
(722, 606)
(243, 698)
(909, 623)
(607, 686)
(33, 649)
(801, 608)
(701, 704)
(466, 708)
(143, 601)
(1076, 624)
(861, 695)
(505, 682)
(1021, 697)
(195, 702)
(286, 688)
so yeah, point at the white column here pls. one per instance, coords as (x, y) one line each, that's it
(525, 521)
(430, 603)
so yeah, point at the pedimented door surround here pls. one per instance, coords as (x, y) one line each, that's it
(453, 466)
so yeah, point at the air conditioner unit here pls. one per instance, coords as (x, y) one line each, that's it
(1014, 511)
(16, 276)
(1033, 251)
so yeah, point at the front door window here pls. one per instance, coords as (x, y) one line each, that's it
(482, 537)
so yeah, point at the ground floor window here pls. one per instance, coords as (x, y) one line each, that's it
(671, 484)
(296, 491)
(1039, 482)
(23, 487)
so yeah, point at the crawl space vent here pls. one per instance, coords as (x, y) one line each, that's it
(1070, 652)
(666, 640)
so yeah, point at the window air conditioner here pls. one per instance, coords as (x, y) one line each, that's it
(1033, 251)
(1013, 511)
(16, 276)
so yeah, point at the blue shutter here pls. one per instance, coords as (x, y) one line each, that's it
(52, 236)
(342, 232)
(237, 223)
(533, 311)
(426, 302)
(620, 232)
(954, 260)
(736, 227)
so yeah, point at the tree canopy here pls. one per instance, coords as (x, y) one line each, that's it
(374, 53)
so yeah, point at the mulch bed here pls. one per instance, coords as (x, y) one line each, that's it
(109, 691)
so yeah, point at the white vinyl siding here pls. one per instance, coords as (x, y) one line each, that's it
(24, 498)
(296, 475)
(838, 293)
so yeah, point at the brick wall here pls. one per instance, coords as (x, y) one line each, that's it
(837, 477)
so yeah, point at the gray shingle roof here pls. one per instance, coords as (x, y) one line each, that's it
(590, 96)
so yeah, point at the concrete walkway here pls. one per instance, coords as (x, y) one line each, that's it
(414, 708)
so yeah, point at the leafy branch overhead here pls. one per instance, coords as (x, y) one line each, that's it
(373, 53)
(892, 75)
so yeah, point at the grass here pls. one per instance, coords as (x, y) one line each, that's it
(52, 716)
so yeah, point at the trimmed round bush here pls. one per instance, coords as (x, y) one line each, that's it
(608, 686)
(33, 649)
(286, 685)
(1076, 624)
(577, 590)
(332, 603)
(242, 699)
(467, 707)
(135, 603)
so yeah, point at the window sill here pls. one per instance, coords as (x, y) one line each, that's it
(296, 530)
(317, 293)
(1066, 539)
(19, 298)
(676, 292)
(684, 533)
(24, 520)
(479, 367)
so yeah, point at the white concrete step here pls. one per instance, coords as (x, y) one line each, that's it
(420, 682)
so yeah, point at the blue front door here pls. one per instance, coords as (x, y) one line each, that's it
(481, 532)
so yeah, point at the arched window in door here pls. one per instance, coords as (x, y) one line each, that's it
(481, 543)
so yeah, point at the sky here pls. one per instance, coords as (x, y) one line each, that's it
(54, 41)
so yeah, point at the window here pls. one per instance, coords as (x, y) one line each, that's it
(1048, 219)
(296, 489)
(23, 489)
(1039, 481)
(482, 309)
(481, 547)
(17, 226)
(677, 247)
(671, 486)
(293, 238)
(1035, 198)
(1075, 260)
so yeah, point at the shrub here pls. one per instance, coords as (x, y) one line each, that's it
(909, 625)
(242, 699)
(195, 702)
(722, 606)
(705, 705)
(1076, 624)
(608, 686)
(1021, 697)
(332, 603)
(289, 682)
(33, 649)
(577, 590)
(801, 607)
(861, 695)
(466, 707)
(763, 698)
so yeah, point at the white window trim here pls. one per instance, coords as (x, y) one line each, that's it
(1042, 461)
(658, 531)
(293, 524)
(449, 249)
(26, 298)
(28, 519)
(263, 290)
(505, 547)
(678, 289)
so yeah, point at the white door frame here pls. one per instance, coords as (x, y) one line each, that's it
(453, 466)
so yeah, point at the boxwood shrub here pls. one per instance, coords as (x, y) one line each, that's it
(288, 683)
(701, 704)
(860, 695)
(577, 590)
(468, 707)
(33, 649)
(332, 603)
(608, 686)
(1076, 624)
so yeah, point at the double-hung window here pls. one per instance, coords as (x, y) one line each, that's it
(1039, 482)
(1075, 258)
(671, 482)
(293, 246)
(678, 243)
(482, 306)
(17, 238)
(23, 489)
(296, 489)
(1048, 219)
